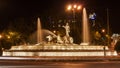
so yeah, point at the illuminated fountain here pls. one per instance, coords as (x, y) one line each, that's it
(85, 35)
(63, 48)
(39, 32)
(33, 37)
(39, 36)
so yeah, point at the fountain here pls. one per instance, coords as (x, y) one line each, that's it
(62, 47)
(44, 33)
(39, 32)
(85, 25)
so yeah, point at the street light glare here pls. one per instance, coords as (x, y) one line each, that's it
(69, 7)
(0, 36)
(79, 7)
(75, 6)
(103, 30)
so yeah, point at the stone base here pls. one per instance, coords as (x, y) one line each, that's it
(37, 53)
(59, 50)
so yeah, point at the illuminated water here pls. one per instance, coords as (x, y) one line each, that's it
(55, 49)
(39, 32)
(45, 32)
(86, 37)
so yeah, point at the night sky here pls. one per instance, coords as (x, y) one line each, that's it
(12, 9)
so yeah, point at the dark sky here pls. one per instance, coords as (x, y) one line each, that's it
(11, 9)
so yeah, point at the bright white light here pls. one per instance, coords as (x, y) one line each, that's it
(75, 6)
(0, 36)
(69, 7)
(79, 7)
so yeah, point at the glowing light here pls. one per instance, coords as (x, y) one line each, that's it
(75, 6)
(54, 31)
(103, 30)
(69, 7)
(8, 37)
(0, 36)
(92, 16)
(79, 7)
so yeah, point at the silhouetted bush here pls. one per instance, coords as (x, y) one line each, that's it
(117, 47)
(1, 52)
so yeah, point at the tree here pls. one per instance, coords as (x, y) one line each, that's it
(12, 37)
(117, 47)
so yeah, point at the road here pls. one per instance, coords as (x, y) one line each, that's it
(18, 62)
(56, 64)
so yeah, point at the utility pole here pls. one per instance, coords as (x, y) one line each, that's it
(107, 32)
(108, 26)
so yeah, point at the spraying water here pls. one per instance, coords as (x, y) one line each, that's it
(39, 32)
(85, 25)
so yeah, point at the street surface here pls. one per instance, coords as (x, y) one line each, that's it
(34, 64)
(9, 62)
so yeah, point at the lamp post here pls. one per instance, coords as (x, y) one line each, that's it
(0, 46)
(74, 8)
(103, 31)
(108, 26)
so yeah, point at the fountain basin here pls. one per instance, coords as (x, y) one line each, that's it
(58, 50)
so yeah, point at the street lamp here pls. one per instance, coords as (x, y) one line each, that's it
(103, 31)
(74, 8)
